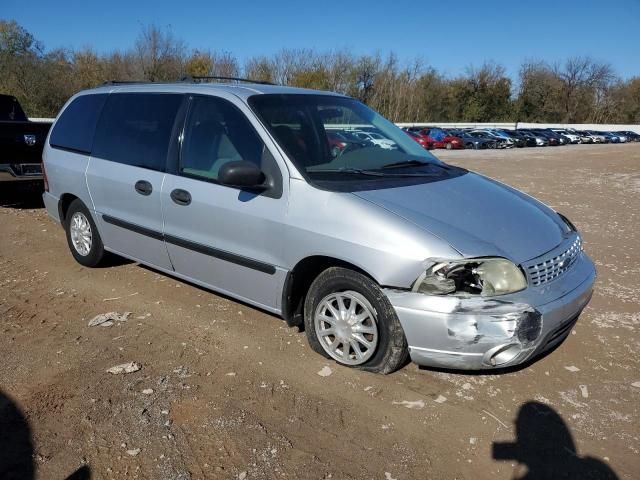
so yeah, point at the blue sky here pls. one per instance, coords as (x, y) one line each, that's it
(448, 35)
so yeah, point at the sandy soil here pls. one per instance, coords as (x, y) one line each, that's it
(227, 391)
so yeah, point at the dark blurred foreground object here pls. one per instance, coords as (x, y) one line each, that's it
(544, 446)
(21, 143)
(16, 449)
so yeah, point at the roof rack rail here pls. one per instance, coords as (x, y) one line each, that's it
(124, 82)
(203, 79)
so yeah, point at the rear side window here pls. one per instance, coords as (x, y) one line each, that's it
(135, 129)
(75, 128)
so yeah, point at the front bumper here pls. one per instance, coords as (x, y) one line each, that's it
(476, 333)
(10, 172)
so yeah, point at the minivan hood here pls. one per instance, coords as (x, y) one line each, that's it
(476, 215)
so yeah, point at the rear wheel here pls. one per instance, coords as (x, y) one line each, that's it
(350, 320)
(82, 235)
(449, 146)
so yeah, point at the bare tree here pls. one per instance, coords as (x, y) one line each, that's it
(225, 64)
(581, 77)
(159, 54)
(260, 68)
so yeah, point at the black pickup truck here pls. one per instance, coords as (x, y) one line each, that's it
(21, 143)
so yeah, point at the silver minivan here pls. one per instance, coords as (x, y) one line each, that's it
(273, 196)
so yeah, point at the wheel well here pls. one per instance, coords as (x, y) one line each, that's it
(300, 279)
(63, 205)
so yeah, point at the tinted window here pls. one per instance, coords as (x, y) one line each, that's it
(75, 128)
(218, 133)
(135, 129)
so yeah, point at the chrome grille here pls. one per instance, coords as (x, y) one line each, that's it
(545, 269)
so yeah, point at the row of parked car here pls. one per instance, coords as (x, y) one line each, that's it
(482, 138)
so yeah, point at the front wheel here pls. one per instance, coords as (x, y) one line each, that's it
(350, 320)
(449, 146)
(82, 235)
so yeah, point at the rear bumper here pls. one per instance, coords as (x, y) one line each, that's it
(476, 333)
(10, 172)
(51, 204)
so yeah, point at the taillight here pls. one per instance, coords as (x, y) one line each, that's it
(44, 178)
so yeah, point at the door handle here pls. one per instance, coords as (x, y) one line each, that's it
(181, 197)
(144, 188)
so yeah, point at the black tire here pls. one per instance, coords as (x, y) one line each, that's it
(391, 352)
(449, 146)
(96, 252)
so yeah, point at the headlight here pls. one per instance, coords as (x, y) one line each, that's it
(482, 276)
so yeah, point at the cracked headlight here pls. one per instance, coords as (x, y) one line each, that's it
(482, 276)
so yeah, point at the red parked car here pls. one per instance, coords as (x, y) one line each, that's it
(421, 139)
(336, 143)
(440, 138)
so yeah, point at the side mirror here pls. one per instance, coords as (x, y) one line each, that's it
(242, 174)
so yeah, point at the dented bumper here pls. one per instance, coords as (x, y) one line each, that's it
(475, 333)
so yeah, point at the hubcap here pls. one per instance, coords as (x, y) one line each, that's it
(80, 230)
(346, 326)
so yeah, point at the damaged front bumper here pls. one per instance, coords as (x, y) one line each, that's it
(472, 333)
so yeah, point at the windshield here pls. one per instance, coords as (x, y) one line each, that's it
(305, 126)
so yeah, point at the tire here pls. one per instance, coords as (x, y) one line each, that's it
(387, 350)
(449, 146)
(78, 226)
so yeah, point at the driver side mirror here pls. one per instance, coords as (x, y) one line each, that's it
(242, 174)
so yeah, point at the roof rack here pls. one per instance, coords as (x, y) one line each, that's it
(124, 82)
(203, 79)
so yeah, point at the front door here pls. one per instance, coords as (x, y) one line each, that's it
(224, 237)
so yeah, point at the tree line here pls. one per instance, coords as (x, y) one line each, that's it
(578, 90)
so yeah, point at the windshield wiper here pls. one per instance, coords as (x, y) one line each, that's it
(349, 171)
(406, 163)
(373, 173)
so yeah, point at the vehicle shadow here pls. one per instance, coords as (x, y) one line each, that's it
(16, 445)
(112, 260)
(22, 195)
(545, 449)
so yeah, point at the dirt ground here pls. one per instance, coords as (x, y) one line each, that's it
(227, 391)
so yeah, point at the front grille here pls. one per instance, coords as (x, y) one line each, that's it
(543, 270)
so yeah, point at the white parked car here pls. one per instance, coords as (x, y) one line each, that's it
(573, 136)
(376, 139)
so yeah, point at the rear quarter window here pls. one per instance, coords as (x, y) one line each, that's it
(75, 128)
(135, 129)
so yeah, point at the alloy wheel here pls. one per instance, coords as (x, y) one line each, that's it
(80, 231)
(346, 326)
